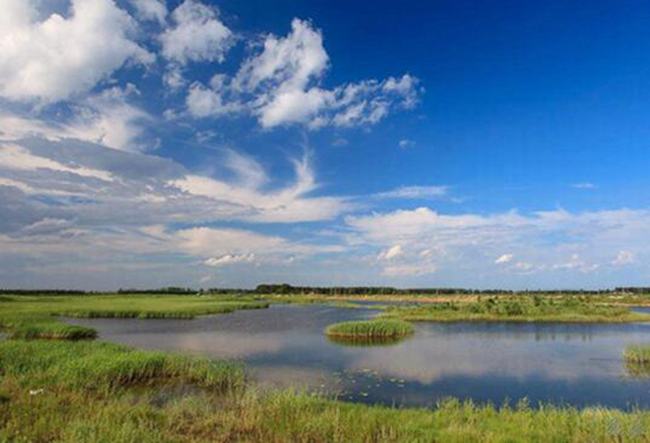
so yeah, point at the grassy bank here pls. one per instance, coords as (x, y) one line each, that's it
(570, 309)
(370, 329)
(32, 317)
(90, 391)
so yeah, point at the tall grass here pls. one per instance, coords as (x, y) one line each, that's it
(52, 331)
(105, 366)
(370, 329)
(82, 399)
(637, 360)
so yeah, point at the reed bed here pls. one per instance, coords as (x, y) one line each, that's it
(370, 329)
(637, 360)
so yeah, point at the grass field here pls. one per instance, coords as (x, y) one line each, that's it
(85, 390)
(36, 316)
(521, 308)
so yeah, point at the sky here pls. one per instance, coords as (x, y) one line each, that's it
(149, 143)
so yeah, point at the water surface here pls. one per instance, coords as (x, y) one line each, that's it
(576, 364)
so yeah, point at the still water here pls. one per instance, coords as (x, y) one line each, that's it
(576, 364)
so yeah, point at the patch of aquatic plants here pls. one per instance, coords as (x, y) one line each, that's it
(637, 360)
(518, 308)
(370, 329)
(52, 331)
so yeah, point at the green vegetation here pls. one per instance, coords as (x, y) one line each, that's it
(70, 391)
(32, 317)
(637, 360)
(52, 330)
(370, 329)
(90, 391)
(638, 354)
(519, 309)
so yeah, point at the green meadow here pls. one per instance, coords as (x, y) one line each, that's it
(520, 308)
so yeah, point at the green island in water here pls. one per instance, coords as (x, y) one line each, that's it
(60, 384)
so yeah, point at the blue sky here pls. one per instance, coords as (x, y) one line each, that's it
(146, 143)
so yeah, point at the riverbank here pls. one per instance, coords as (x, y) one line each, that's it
(37, 316)
(520, 308)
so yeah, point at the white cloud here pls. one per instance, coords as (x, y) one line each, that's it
(280, 86)
(109, 119)
(198, 35)
(577, 263)
(406, 143)
(471, 241)
(151, 10)
(584, 185)
(415, 192)
(287, 204)
(391, 253)
(623, 258)
(229, 259)
(173, 77)
(206, 102)
(18, 158)
(59, 57)
(505, 258)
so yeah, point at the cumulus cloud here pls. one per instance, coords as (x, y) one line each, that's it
(151, 10)
(405, 143)
(197, 35)
(552, 241)
(280, 85)
(208, 102)
(60, 57)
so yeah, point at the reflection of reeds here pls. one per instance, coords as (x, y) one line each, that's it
(370, 329)
(637, 360)
(364, 341)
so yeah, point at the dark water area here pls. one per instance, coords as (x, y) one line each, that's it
(564, 364)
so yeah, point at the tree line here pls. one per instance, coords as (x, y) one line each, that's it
(287, 289)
